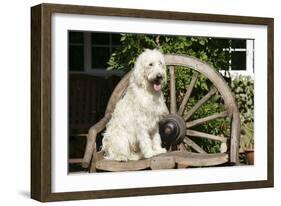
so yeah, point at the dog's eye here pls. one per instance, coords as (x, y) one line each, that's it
(160, 63)
(151, 64)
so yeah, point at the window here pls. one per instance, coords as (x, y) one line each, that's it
(103, 45)
(89, 52)
(241, 56)
(76, 51)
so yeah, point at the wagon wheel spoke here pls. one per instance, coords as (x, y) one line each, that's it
(182, 147)
(188, 93)
(192, 144)
(200, 103)
(206, 119)
(173, 104)
(194, 133)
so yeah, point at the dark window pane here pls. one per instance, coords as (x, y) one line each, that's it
(116, 39)
(223, 43)
(238, 60)
(100, 57)
(100, 38)
(238, 43)
(76, 58)
(76, 37)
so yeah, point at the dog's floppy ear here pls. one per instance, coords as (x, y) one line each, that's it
(137, 74)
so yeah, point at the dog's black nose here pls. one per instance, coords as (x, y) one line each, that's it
(159, 76)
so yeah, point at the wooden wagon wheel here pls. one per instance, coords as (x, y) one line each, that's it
(181, 120)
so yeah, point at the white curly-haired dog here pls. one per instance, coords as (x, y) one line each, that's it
(132, 133)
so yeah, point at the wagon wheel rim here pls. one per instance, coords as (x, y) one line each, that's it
(219, 86)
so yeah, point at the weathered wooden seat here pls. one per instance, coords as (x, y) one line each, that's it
(170, 160)
(181, 157)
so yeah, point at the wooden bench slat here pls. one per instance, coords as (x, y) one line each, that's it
(115, 166)
(160, 161)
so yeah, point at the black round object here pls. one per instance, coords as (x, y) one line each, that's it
(172, 130)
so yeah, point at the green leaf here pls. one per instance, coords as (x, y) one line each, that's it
(202, 42)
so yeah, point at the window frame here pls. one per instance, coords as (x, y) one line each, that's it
(249, 70)
(88, 69)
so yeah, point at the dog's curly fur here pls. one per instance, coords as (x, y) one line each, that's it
(132, 133)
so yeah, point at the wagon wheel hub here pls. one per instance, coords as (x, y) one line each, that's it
(172, 130)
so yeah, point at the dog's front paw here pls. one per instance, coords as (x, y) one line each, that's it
(160, 150)
(134, 157)
(149, 154)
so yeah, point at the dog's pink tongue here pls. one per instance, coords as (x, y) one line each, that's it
(157, 87)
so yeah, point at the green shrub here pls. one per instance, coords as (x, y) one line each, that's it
(207, 49)
(243, 90)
